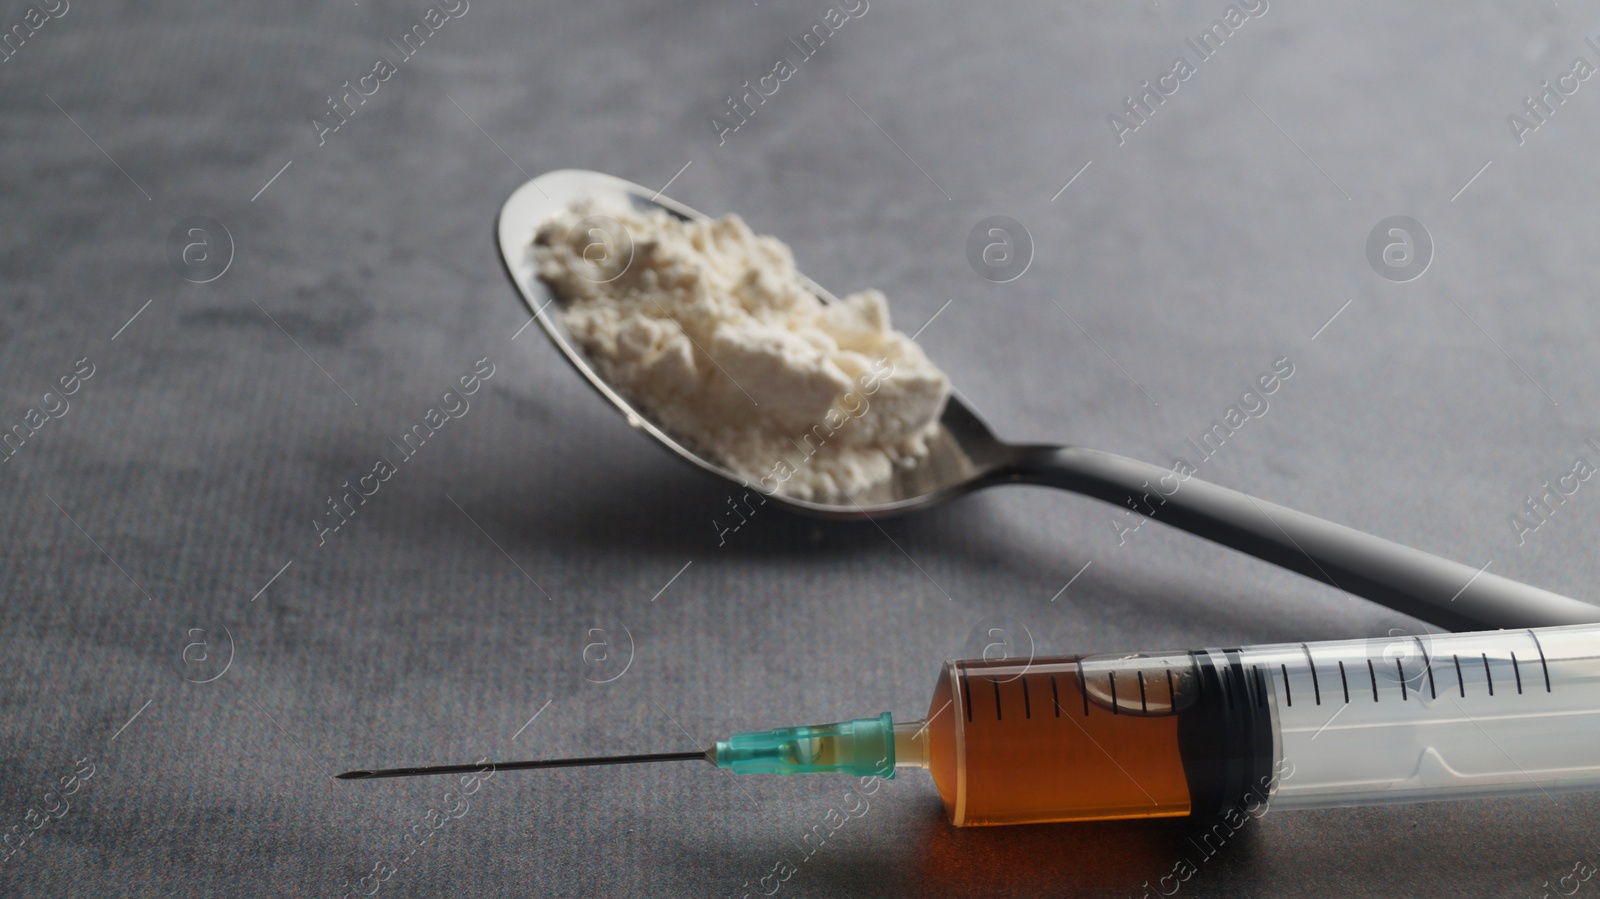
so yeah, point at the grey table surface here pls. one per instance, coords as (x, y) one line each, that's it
(172, 618)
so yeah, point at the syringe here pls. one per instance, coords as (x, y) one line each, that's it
(1169, 734)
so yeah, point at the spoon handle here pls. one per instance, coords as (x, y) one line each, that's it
(1410, 581)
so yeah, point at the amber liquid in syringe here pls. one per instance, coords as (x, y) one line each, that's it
(1084, 739)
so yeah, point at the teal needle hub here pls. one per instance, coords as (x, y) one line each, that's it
(863, 747)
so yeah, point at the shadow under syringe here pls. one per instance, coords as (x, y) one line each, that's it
(1104, 858)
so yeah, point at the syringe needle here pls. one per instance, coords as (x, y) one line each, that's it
(518, 766)
(861, 747)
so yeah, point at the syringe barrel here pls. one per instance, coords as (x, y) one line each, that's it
(1353, 722)
(1449, 716)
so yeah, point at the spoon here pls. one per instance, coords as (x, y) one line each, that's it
(966, 456)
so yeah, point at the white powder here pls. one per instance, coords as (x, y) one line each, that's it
(709, 330)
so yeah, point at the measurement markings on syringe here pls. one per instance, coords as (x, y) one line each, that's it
(1542, 663)
(1488, 658)
(1312, 664)
(1433, 691)
(1403, 677)
(1114, 703)
(1251, 680)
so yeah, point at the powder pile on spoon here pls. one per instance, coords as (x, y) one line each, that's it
(709, 329)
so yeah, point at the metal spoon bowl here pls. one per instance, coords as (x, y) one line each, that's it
(966, 456)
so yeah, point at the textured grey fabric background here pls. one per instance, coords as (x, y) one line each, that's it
(458, 601)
